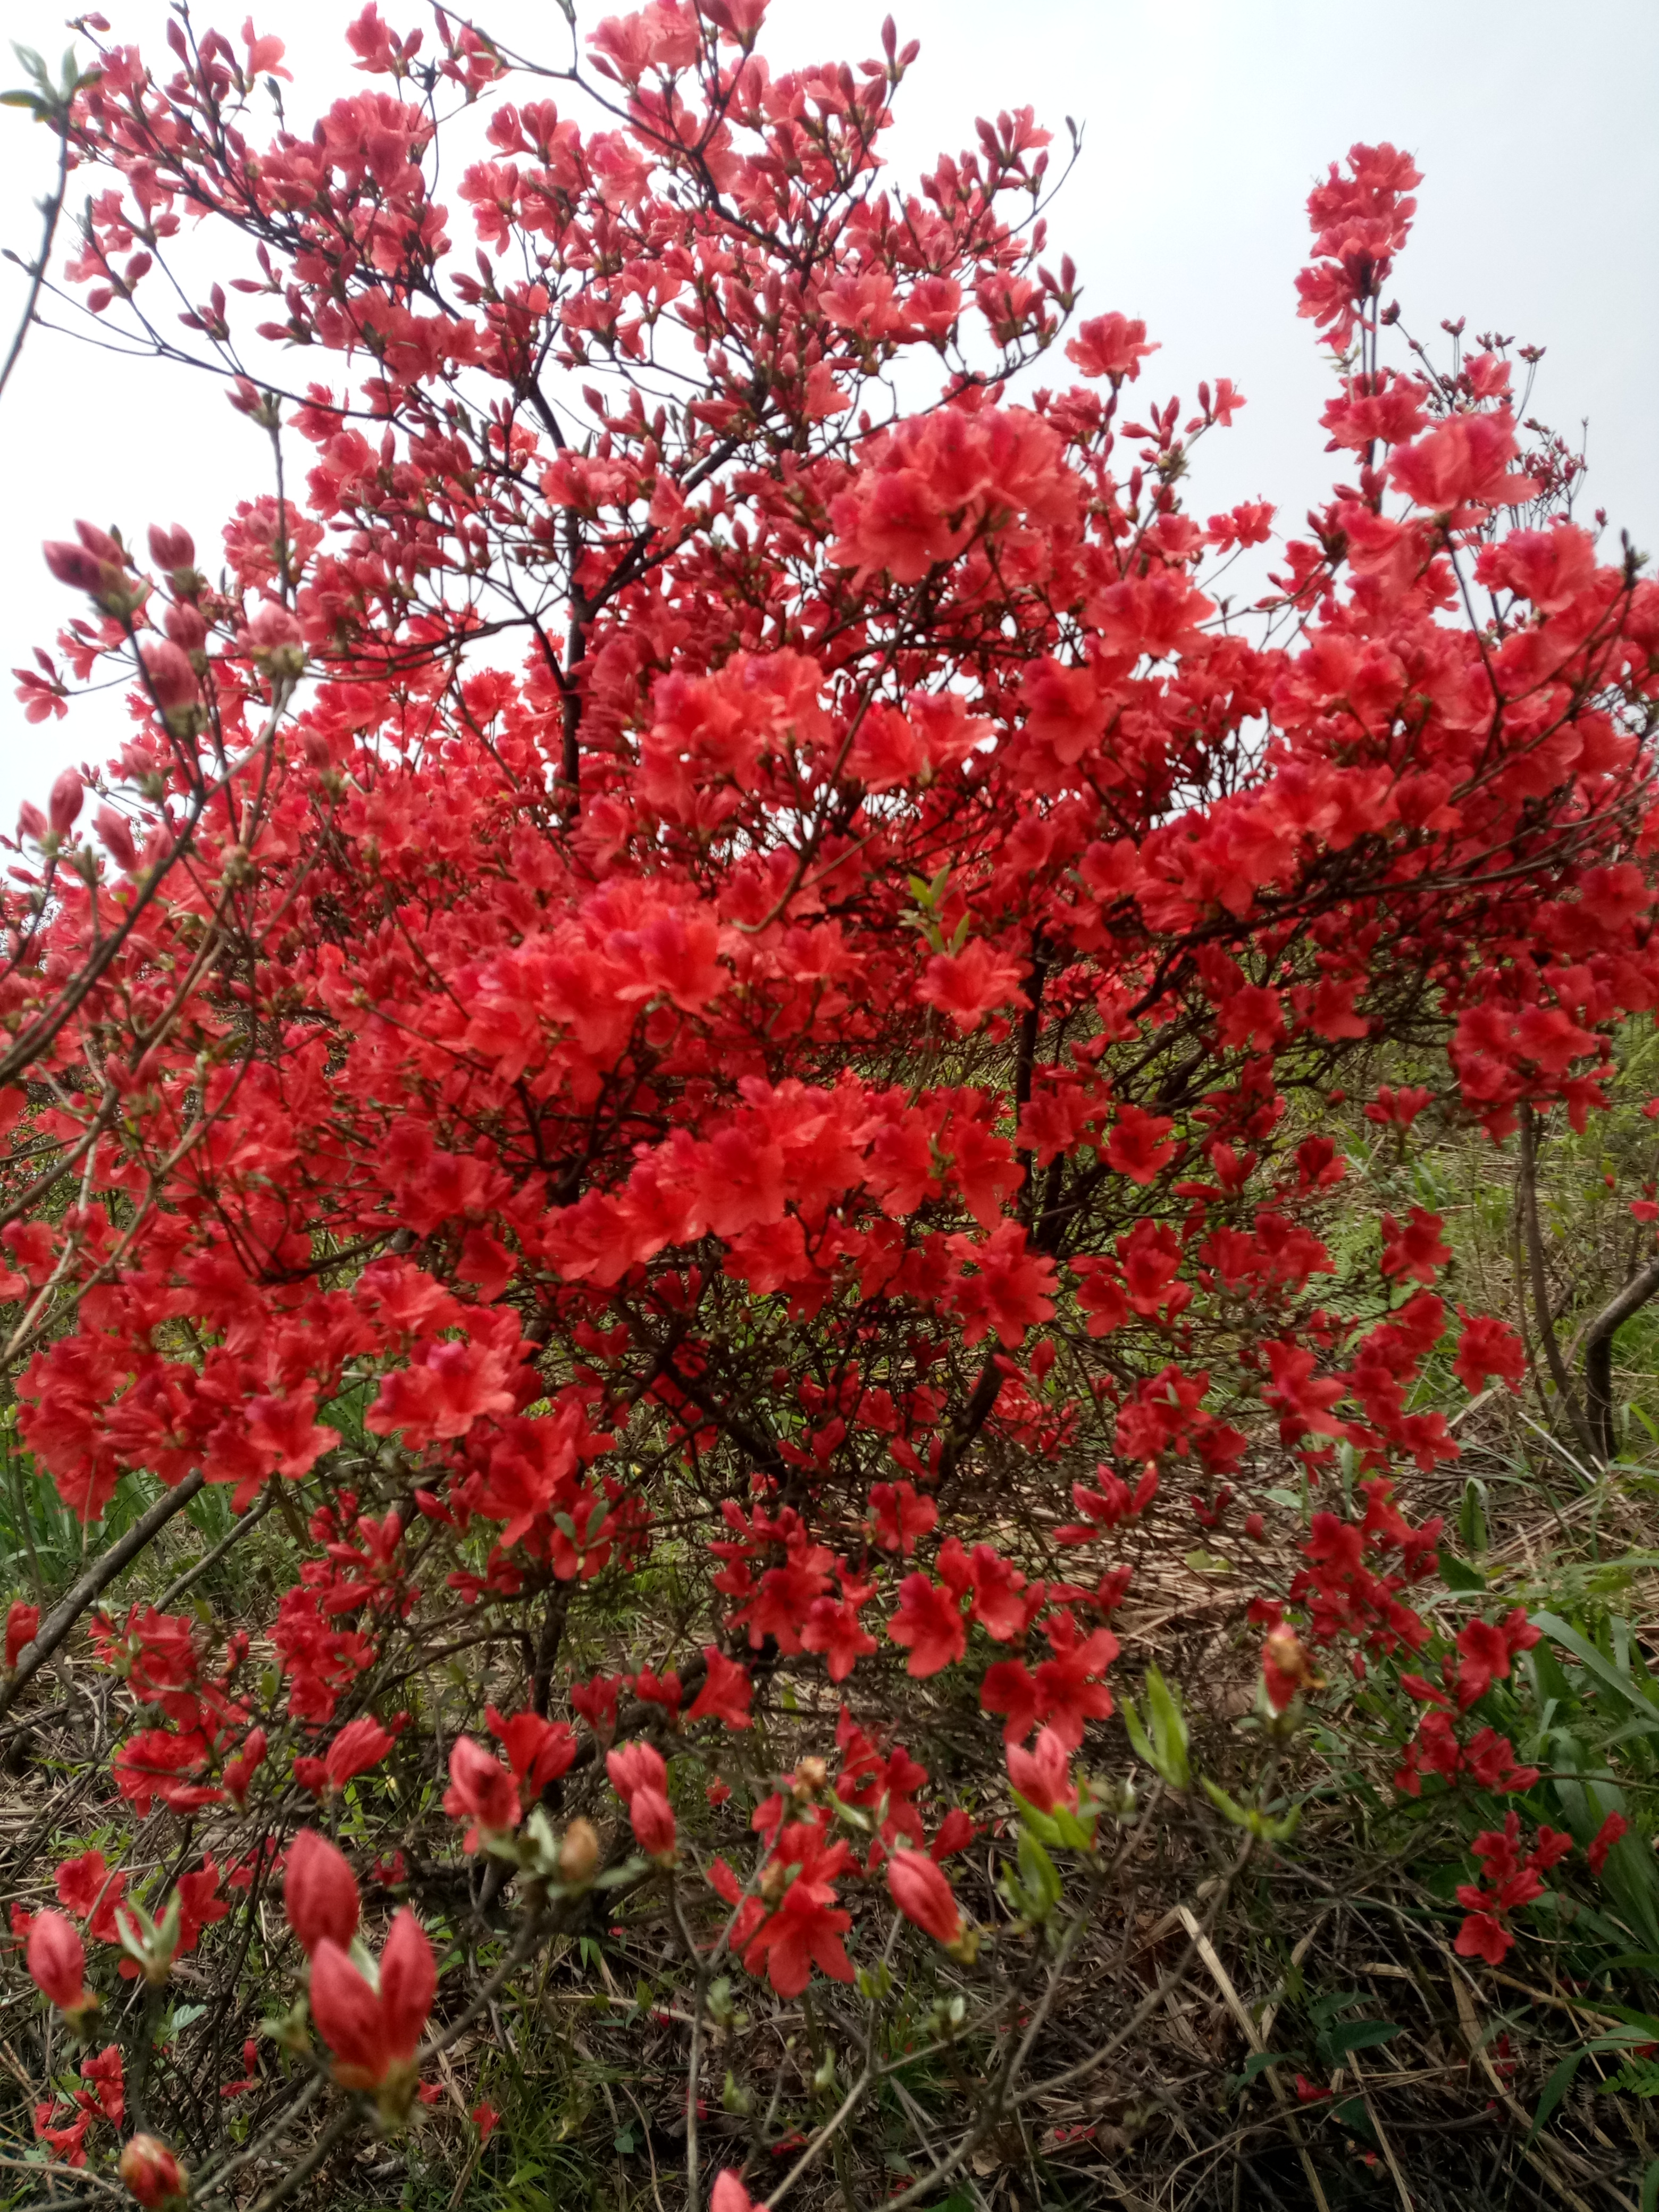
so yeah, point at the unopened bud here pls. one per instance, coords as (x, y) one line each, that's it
(153, 2174)
(98, 567)
(57, 1960)
(1286, 1667)
(320, 1892)
(99, 543)
(74, 565)
(118, 838)
(171, 549)
(68, 795)
(275, 640)
(173, 684)
(149, 1943)
(186, 627)
(259, 407)
(578, 1853)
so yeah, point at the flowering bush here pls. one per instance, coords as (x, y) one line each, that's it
(701, 1058)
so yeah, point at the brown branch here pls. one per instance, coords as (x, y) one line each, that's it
(1541, 1293)
(1598, 1353)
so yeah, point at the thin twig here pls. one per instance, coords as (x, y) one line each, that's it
(52, 209)
(238, 1529)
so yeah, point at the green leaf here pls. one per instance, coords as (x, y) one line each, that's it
(1550, 1682)
(1637, 2077)
(1042, 1825)
(1555, 2089)
(1274, 1831)
(1170, 1736)
(1457, 1574)
(1229, 1808)
(618, 1877)
(1139, 1742)
(1322, 2010)
(1357, 2035)
(1077, 1834)
(1568, 1637)
(1256, 2063)
(1039, 1875)
(1472, 1517)
(1651, 2188)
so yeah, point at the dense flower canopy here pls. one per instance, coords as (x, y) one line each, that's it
(693, 959)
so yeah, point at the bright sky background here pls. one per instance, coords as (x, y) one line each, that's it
(1205, 123)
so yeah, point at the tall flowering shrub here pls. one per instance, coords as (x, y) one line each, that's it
(740, 1004)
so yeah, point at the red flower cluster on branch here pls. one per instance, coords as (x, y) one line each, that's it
(678, 966)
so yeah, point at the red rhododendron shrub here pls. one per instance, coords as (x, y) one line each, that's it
(690, 1051)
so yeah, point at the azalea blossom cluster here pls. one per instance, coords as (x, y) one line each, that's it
(754, 982)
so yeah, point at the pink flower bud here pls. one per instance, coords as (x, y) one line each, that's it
(360, 1744)
(186, 627)
(74, 565)
(116, 833)
(57, 1960)
(275, 640)
(101, 544)
(409, 1982)
(273, 626)
(152, 2173)
(68, 795)
(171, 549)
(652, 1817)
(1042, 1775)
(923, 1894)
(634, 1766)
(370, 2033)
(172, 678)
(320, 1892)
(347, 2013)
(480, 1790)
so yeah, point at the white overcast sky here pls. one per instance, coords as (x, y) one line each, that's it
(1206, 121)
